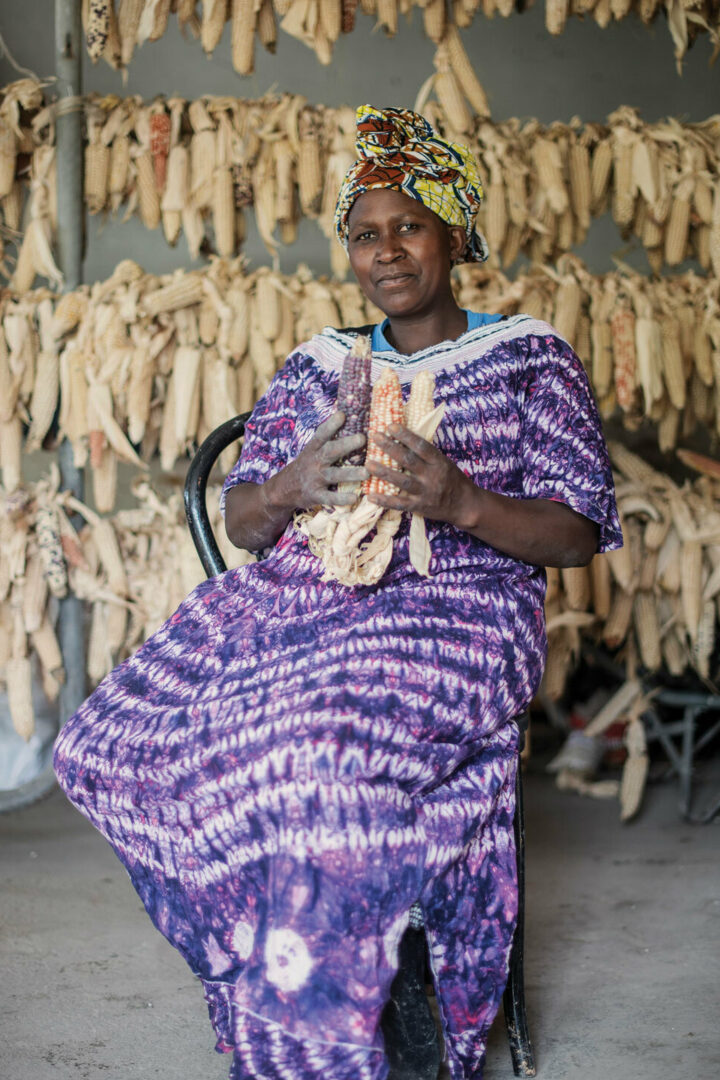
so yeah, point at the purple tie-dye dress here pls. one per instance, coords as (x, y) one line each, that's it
(288, 765)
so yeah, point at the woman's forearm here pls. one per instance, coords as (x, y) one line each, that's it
(256, 515)
(538, 531)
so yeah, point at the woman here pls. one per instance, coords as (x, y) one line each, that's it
(288, 766)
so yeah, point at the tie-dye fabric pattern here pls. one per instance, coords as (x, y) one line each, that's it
(287, 765)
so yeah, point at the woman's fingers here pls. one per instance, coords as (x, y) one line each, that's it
(339, 498)
(328, 428)
(405, 481)
(339, 473)
(340, 448)
(414, 444)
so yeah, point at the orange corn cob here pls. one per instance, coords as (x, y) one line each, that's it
(386, 408)
(160, 145)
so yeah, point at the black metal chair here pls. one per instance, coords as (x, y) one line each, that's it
(411, 1038)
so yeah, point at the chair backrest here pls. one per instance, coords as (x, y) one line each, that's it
(196, 485)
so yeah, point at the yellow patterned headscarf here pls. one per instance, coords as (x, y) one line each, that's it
(399, 149)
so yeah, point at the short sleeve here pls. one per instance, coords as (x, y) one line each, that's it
(269, 430)
(563, 450)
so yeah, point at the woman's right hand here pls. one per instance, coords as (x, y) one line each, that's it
(307, 481)
(257, 514)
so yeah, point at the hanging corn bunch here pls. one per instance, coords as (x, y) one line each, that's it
(135, 362)
(113, 28)
(198, 167)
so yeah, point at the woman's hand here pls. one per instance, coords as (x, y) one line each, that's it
(430, 483)
(538, 531)
(257, 514)
(308, 480)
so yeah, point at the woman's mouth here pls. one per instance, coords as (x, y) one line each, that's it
(396, 281)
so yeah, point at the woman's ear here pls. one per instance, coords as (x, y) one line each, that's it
(458, 243)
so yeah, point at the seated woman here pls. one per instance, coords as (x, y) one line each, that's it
(289, 765)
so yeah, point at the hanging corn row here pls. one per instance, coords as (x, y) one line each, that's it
(659, 595)
(114, 29)
(197, 167)
(133, 570)
(143, 365)
(657, 599)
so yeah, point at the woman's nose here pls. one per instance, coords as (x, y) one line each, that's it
(389, 247)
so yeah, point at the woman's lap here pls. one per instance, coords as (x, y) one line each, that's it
(280, 813)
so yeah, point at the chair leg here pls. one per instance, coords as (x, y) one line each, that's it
(523, 1058)
(412, 1045)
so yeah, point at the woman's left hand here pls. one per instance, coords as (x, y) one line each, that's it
(430, 483)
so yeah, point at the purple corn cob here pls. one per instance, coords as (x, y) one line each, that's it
(354, 393)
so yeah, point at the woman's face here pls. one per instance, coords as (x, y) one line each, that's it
(401, 252)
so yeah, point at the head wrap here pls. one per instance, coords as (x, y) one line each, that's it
(398, 149)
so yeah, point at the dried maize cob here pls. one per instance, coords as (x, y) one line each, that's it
(184, 291)
(148, 197)
(464, 72)
(96, 30)
(647, 629)
(159, 144)
(34, 594)
(548, 162)
(618, 621)
(622, 328)
(576, 583)
(580, 183)
(8, 162)
(386, 408)
(601, 586)
(672, 362)
(214, 14)
(267, 26)
(224, 211)
(47, 647)
(705, 640)
(97, 163)
(448, 92)
(600, 169)
(349, 9)
(18, 680)
(678, 225)
(624, 190)
(632, 784)
(691, 586)
(243, 16)
(435, 19)
(44, 399)
(11, 453)
(267, 302)
(128, 25)
(556, 13)
(354, 393)
(567, 308)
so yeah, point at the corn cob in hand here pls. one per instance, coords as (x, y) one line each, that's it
(354, 394)
(386, 408)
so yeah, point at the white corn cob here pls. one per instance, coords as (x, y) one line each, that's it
(128, 24)
(47, 647)
(18, 680)
(244, 16)
(214, 14)
(632, 784)
(34, 594)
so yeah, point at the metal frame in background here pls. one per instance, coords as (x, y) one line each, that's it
(694, 704)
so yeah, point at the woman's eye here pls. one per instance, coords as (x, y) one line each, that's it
(361, 236)
(408, 225)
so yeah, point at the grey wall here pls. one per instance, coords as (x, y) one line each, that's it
(586, 72)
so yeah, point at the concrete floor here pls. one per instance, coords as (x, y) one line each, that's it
(622, 952)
